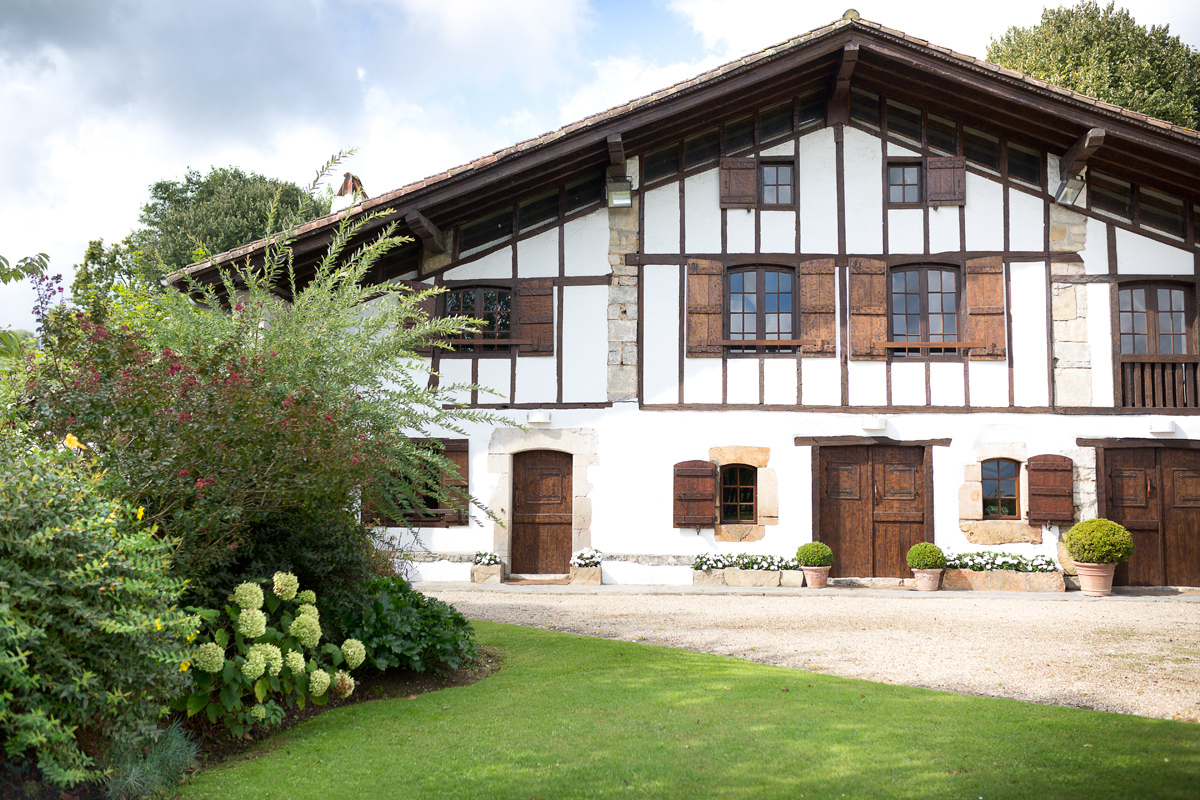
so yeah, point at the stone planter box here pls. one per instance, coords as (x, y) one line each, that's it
(585, 576)
(1003, 580)
(708, 577)
(791, 577)
(489, 574)
(751, 577)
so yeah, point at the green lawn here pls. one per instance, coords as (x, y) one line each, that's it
(569, 716)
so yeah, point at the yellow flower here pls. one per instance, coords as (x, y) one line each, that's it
(74, 443)
(141, 511)
(184, 666)
(157, 624)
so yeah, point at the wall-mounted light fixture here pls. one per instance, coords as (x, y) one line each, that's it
(619, 191)
(1068, 191)
(874, 424)
(1162, 427)
(538, 417)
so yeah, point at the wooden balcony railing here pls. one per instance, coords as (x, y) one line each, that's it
(1159, 382)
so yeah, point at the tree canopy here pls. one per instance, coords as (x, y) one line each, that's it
(1103, 52)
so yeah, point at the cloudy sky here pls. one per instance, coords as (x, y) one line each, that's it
(100, 99)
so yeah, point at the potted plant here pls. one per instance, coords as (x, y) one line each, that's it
(1097, 546)
(585, 567)
(487, 569)
(815, 558)
(927, 561)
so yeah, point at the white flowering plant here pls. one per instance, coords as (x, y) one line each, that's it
(264, 655)
(587, 557)
(712, 561)
(743, 561)
(993, 559)
(484, 559)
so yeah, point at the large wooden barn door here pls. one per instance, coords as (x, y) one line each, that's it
(872, 507)
(541, 519)
(1155, 493)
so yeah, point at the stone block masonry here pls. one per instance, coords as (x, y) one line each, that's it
(623, 238)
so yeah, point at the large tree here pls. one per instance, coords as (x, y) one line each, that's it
(1103, 52)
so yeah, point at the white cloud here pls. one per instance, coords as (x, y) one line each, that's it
(619, 80)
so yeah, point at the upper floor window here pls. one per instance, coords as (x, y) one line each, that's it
(760, 309)
(490, 304)
(924, 308)
(1153, 320)
(776, 185)
(904, 183)
(739, 495)
(1001, 482)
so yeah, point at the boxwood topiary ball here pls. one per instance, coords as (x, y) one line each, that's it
(1099, 541)
(814, 554)
(926, 555)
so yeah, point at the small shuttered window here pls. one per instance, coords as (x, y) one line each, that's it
(868, 309)
(946, 181)
(695, 494)
(984, 296)
(705, 308)
(1050, 490)
(739, 183)
(816, 303)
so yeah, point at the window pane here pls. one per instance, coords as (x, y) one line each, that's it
(942, 134)
(989, 469)
(1160, 211)
(702, 147)
(1024, 164)
(1109, 194)
(895, 175)
(981, 148)
(991, 507)
(750, 281)
(1007, 469)
(488, 230)
(538, 210)
(662, 163)
(585, 192)
(895, 194)
(775, 121)
(1008, 507)
(897, 281)
(912, 194)
(904, 120)
(812, 107)
(785, 194)
(864, 107)
(739, 135)
(770, 197)
(1139, 299)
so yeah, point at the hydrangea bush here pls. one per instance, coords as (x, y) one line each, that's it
(587, 557)
(991, 559)
(264, 656)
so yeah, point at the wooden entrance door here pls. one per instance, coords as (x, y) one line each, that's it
(541, 519)
(872, 507)
(1155, 493)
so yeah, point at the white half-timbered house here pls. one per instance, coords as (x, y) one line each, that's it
(854, 288)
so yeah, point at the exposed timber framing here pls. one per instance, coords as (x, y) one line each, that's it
(431, 235)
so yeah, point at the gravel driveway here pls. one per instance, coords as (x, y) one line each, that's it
(1129, 654)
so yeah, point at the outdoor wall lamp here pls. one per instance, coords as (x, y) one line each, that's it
(1069, 189)
(620, 192)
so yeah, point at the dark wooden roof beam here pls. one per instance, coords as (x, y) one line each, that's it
(1073, 161)
(616, 150)
(838, 110)
(431, 235)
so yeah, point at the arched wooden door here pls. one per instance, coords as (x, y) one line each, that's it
(542, 513)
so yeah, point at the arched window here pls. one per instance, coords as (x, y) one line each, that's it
(924, 308)
(739, 495)
(760, 308)
(1001, 489)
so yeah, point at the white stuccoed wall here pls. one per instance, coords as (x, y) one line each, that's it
(1029, 333)
(1141, 255)
(661, 234)
(818, 193)
(585, 245)
(585, 344)
(863, 161)
(1026, 222)
(702, 211)
(537, 256)
(985, 213)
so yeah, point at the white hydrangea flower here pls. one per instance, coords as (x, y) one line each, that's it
(307, 596)
(354, 653)
(248, 595)
(343, 684)
(258, 712)
(254, 665)
(210, 657)
(306, 629)
(318, 682)
(309, 611)
(294, 661)
(271, 655)
(252, 623)
(285, 585)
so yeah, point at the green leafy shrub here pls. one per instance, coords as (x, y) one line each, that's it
(814, 554)
(92, 646)
(926, 555)
(153, 770)
(1099, 541)
(400, 627)
(265, 655)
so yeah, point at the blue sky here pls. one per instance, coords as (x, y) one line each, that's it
(100, 99)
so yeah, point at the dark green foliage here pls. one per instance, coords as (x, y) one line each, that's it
(153, 770)
(814, 554)
(401, 627)
(216, 212)
(926, 555)
(1101, 51)
(91, 641)
(1099, 541)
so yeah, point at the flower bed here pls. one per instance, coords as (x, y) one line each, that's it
(992, 560)
(1002, 572)
(718, 569)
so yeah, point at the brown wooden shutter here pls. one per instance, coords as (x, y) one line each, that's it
(868, 308)
(428, 306)
(1051, 482)
(946, 181)
(984, 293)
(457, 451)
(535, 317)
(739, 183)
(816, 306)
(695, 494)
(705, 308)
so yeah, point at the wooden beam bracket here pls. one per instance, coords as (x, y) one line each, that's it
(838, 109)
(1075, 158)
(431, 235)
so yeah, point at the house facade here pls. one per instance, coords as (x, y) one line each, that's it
(854, 288)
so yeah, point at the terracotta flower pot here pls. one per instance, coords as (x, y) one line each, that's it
(816, 577)
(928, 580)
(1095, 579)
